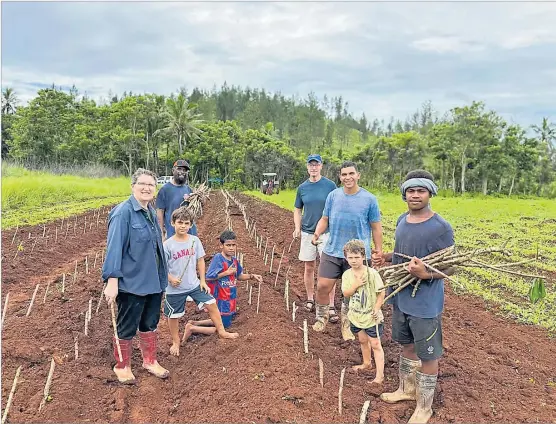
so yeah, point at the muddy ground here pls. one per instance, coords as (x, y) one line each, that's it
(493, 370)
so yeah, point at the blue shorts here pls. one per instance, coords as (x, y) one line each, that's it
(174, 304)
(371, 332)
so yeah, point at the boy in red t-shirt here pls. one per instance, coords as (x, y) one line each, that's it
(223, 273)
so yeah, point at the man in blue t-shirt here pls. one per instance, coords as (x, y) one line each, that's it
(171, 196)
(309, 203)
(350, 212)
(416, 321)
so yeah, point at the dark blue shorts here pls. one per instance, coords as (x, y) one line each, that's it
(174, 304)
(371, 332)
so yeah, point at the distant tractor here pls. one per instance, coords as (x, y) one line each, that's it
(270, 183)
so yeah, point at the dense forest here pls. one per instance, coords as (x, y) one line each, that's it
(238, 133)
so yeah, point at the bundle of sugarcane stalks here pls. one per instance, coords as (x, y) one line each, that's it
(399, 277)
(196, 199)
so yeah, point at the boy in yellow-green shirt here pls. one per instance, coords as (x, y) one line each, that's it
(365, 289)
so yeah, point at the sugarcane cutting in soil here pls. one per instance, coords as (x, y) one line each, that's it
(195, 256)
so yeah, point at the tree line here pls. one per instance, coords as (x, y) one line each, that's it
(236, 134)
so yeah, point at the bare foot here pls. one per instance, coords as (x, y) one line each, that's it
(226, 335)
(362, 367)
(175, 349)
(375, 387)
(187, 332)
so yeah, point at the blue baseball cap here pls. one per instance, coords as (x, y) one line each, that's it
(314, 158)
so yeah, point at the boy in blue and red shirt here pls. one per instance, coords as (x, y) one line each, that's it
(223, 273)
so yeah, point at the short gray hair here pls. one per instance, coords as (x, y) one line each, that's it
(139, 172)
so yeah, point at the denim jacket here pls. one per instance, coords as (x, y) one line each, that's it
(131, 250)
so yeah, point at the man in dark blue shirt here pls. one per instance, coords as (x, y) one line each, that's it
(416, 321)
(171, 196)
(309, 203)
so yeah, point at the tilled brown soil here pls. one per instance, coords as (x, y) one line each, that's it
(493, 370)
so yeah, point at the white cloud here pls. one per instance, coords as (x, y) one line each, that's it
(384, 58)
(446, 45)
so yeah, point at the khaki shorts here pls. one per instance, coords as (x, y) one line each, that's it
(307, 251)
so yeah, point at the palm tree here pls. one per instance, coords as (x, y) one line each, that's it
(547, 133)
(9, 100)
(155, 127)
(183, 120)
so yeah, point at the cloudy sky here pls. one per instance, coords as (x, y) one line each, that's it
(386, 59)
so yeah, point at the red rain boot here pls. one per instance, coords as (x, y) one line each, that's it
(148, 350)
(123, 367)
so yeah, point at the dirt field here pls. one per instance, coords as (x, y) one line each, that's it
(493, 370)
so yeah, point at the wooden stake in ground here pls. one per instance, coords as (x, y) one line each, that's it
(47, 385)
(116, 332)
(294, 310)
(279, 265)
(90, 310)
(4, 310)
(321, 373)
(86, 323)
(364, 410)
(46, 292)
(63, 284)
(95, 262)
(56, 239)
(341, 390)
(34, 243)
(290, 248)
(288, 271)
(99, 301)
(258, 297)
(43, 230)
(76, 346)
(67, 229)
(305, 337)
(272, 257)
(87, 264)
(75, 272)
(32, 300)
(15, 233)
(287, 295)
(250, 293)
(11, 396)
(265, 247)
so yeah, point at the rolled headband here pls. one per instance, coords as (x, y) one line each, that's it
(419, 182)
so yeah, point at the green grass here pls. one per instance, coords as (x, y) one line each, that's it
(32, 197)
(527, 225)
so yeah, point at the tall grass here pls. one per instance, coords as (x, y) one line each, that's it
(95, 170)
(31, 197)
